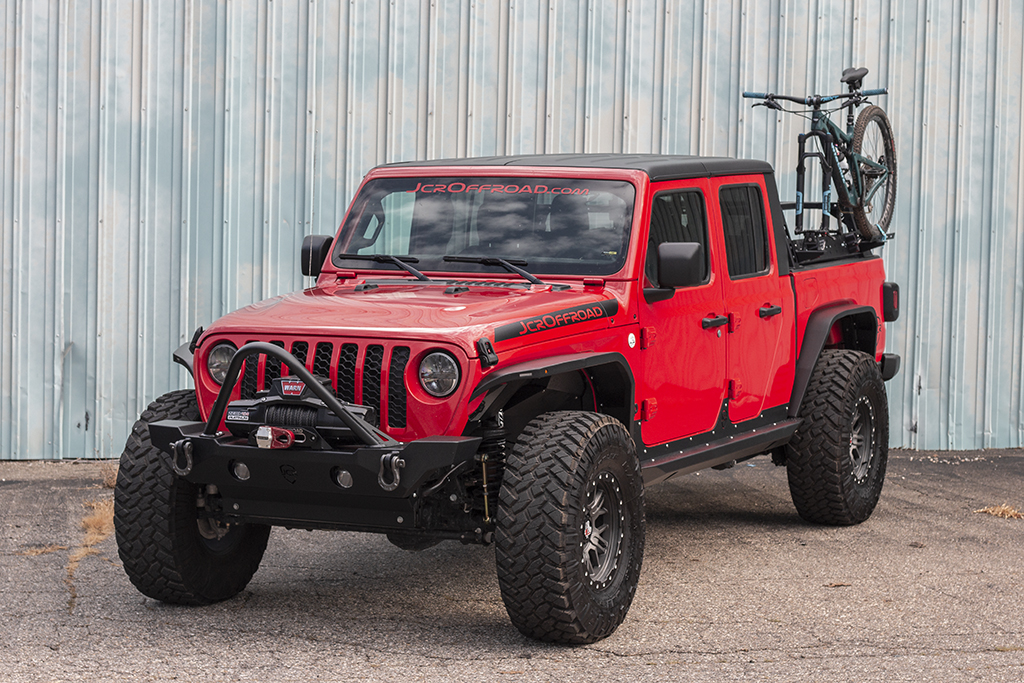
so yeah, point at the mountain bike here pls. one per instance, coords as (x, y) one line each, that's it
(860, 161)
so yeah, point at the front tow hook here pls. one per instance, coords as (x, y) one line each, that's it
(181, 457)
(393, 462)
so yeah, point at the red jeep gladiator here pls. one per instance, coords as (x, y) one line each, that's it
(508, 350)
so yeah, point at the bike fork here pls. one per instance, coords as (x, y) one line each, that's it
(826, 178)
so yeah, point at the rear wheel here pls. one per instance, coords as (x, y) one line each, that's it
(873, 140)
(570, 527)
(169, 551)
(836, 460)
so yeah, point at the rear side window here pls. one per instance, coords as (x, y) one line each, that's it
(676, 217)
(746, 231)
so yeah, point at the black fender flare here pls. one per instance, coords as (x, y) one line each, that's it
(816, 335)
(183, 356)
(561, 364)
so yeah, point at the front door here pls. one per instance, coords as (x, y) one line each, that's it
(684, 362)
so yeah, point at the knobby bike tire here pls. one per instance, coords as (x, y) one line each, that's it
(872, 219)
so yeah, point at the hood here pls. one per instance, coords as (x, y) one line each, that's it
(511, 316)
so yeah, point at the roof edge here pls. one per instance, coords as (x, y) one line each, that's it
(658, 167)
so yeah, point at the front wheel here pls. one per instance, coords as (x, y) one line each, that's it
(873, 140)
(169, 550)
(570, 527)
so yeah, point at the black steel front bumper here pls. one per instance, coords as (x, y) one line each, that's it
(301, 487)
(377, 485)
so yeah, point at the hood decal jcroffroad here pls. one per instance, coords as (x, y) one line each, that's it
(556, 319)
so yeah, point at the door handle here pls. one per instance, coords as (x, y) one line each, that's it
(769, 311)
(715, 321)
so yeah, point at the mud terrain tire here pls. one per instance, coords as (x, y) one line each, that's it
(157, 528)
(570, 527)
(836, 460)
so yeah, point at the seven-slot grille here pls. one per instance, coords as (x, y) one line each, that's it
(357, 374)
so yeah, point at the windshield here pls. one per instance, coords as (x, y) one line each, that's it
(556, 225)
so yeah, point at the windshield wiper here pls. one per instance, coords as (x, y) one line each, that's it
(511, 265)
(400, 261)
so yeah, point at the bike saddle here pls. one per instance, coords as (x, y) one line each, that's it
(854, 77)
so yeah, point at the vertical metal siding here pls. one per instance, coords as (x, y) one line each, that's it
(160, 163)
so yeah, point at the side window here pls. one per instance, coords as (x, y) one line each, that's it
(676, 217)
(746, 232)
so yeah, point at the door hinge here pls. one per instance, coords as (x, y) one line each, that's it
(648, 409)
(734, 322)
(647, 336)
(733, 388)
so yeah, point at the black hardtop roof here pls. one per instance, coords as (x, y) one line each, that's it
(657, 166)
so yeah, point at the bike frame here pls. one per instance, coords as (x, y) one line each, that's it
(832, 141)
(830, 136)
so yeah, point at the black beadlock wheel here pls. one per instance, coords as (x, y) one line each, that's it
(168, 551)
(872, 138)
(570, 527)
(836, 460)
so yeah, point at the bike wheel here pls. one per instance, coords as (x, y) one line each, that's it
(872, 139)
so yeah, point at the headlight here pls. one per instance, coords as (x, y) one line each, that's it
(439, 374)
(218, 360)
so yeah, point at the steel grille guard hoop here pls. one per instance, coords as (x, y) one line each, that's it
(366, 433)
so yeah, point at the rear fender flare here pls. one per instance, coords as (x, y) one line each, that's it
(860, 334)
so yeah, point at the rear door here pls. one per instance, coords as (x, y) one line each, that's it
(683, 382)
(759, 302)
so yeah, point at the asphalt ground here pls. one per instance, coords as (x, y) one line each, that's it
(735, 587)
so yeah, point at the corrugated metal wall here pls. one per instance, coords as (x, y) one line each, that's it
(161, 161)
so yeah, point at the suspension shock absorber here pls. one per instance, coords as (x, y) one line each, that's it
(491, 455)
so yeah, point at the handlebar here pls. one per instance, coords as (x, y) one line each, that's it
(815, 100)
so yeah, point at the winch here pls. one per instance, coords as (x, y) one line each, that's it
(289, 415)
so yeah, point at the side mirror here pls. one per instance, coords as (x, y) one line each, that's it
(680, 264)
(315, 249)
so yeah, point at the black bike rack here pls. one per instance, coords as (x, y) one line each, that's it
(826, 179)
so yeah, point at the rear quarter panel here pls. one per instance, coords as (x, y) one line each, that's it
(858, 281)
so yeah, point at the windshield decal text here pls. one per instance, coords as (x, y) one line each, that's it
(459, 187)
(551, 321)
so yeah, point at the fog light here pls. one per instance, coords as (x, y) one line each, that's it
(240, 470)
